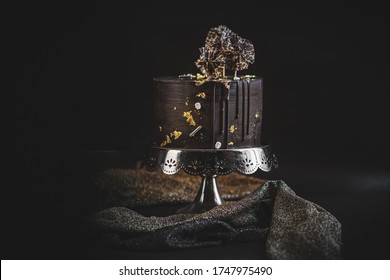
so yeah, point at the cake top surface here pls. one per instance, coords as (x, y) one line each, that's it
(190, 78)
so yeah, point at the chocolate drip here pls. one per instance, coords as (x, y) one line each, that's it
(214, 121)
(226, 99)
(248, 107)
(212, 106)
(222, 111)
(237, 100)
(243, 112)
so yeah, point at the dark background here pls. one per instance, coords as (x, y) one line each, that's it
(84, 83)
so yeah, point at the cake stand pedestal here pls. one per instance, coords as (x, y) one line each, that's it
(209, 163)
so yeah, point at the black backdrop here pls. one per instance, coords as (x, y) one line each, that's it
(84, 76)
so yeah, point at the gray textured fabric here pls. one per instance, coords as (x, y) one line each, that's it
(290, 226)
(140, 188)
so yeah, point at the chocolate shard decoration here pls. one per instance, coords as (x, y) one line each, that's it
(224, 49)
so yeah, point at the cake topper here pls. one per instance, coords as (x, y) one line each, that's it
(224, 50)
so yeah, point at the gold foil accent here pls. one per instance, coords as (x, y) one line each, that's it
(163, 143)
(257, 115)
(187, 101)
(201, 95)
(230, 143)
(200, 76)
(200, 79)
(176, 134)
(232, 128)
(168, 139)
(189, 118)
(199, 82)
(160, 128)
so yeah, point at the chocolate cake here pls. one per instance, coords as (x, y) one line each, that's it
(211, 110)
(208, 116)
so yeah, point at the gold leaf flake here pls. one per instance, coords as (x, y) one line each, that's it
(232, 128)
(257, 115)
(230, 143)
(174, 108)
(201, 95)
(163, 143)
(168, 139)
(160, 128)
(200, 76)
(189, 118)
(176, 134)
(187, 101)
(199, 82)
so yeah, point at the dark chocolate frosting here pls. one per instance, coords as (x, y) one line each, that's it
(207, 116)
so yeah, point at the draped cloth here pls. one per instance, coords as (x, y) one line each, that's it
(289, 226)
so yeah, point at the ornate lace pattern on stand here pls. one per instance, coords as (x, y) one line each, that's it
(217, 162)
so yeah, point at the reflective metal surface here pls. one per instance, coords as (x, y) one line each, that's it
(209, 163)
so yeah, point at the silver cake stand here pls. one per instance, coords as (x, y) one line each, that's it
(209, 163)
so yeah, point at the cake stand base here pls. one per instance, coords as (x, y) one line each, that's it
(207, 197)
(209, 163)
